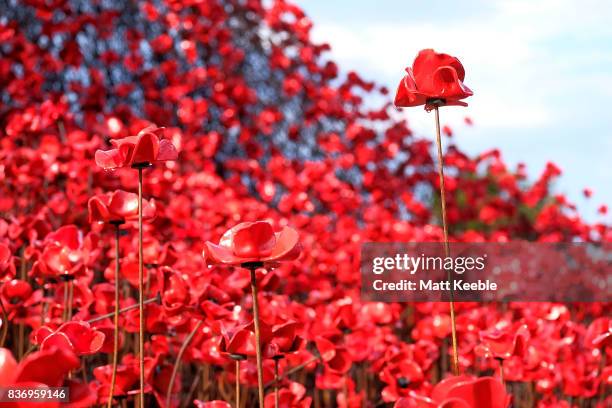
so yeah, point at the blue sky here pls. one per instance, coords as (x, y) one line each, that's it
(541, 72)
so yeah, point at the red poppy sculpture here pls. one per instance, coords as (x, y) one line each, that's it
(502, 343)
(41, 369)
(117, 208)
(255, 245)
(147, 147)
(254, 242)
(139, 152)
(433, 76)
(435, 80)
(461, 392)
(77, 337)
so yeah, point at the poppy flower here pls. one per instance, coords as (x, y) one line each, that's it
(461, 392)
(503, 343)
(284, 340)
(118, 206)
(147, 146)
(75, 336)
(241, 341)
(16, 291)
(433, 76)
(254, 242)
(45, 367)
(64, 253)
(292, 396)
(174, 291)
(400, 378)
(336, 359)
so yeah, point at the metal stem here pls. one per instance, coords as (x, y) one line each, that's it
(260, 383)
(455, 358)
(179, 356)
(276, 397)
(237, 383)
(115, 319)
(141, 333)
(155, 299)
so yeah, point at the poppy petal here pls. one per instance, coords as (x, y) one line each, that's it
(146, 149)
(256, 240)
(109, 159)
(167, 151)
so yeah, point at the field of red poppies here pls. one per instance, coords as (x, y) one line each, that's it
(185, 188)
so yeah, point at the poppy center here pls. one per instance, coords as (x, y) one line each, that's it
(403, 382)
(435, 102)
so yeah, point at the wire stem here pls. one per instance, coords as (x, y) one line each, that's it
(141, 332)
(276, 379)
(237, 383)
(115, 319)
(455, 357)
(260, 383)
(179, 356)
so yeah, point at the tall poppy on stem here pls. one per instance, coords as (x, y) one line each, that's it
(436, 80)
(254, 245)
(238, 347)
(61, 259)
(284, 340)
(502, 343)
(139, 152)
(115, 209)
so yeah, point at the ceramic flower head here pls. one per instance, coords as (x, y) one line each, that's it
(433, 76)
(146, 148)
(117, 207)
(76, 336)
(254, 242)
(504, 342)
(461, 392)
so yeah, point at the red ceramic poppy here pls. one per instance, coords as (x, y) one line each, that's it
(400, 378)
(48, 367)
(241, 340)
(147, 147)
(63, 253)
(16, 291)
(118, 206)
(254, 242)
(75, 336)
(461, 392)
(284, 340)
(433, 76)
(292, 396)
(505, 342)
(174, 291)
(336, 359)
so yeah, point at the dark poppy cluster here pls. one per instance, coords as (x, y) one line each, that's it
(269, 172)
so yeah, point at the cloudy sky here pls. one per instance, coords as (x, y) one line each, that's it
(541, 72)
